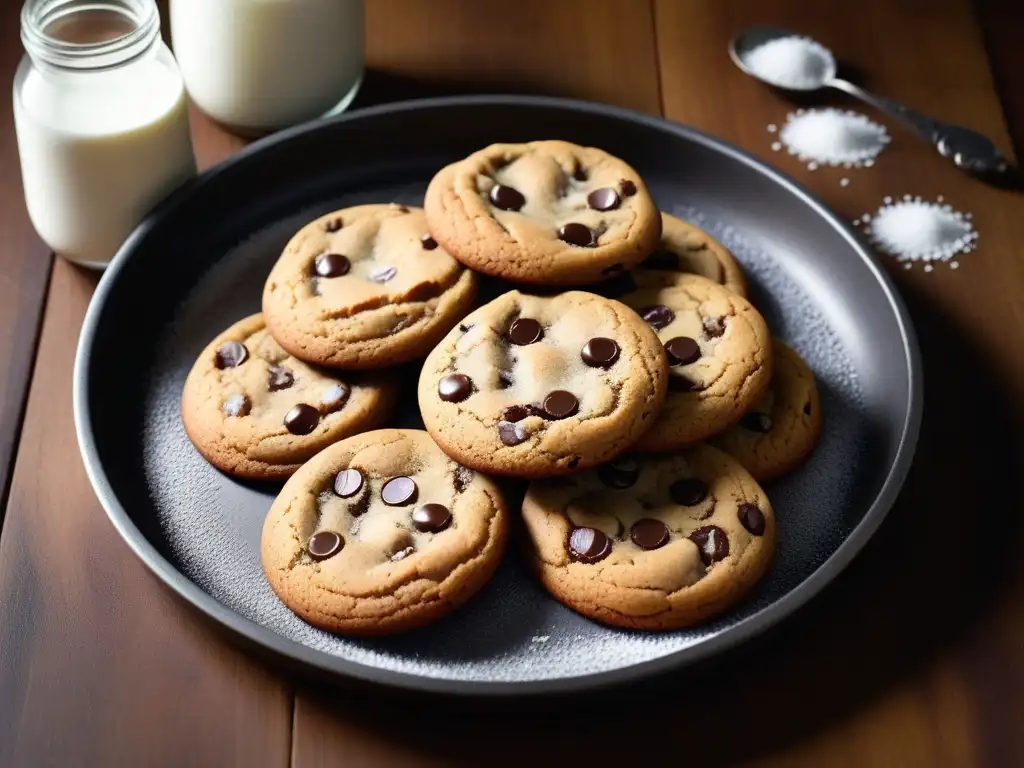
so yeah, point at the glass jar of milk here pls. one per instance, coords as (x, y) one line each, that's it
(260, 65)
(102, 122)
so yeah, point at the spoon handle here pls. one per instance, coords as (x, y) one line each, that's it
(968, 149)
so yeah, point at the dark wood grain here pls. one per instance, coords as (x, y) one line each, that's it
(24, 265)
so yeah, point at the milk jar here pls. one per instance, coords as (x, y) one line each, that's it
(260, 65)
(101, 119)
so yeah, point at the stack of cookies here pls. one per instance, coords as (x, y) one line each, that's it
(642, 423)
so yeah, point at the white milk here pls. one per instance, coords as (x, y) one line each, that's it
(261, 65)
(99, 147)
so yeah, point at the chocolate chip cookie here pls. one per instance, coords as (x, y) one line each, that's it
(778, 433)
(719, 354)
(255, 411)
(547, 212)
(651, 541)
(687, 249)
(365, 287)
(531, 386)
(381, 533)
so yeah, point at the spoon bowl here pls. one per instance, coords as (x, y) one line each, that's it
(817, 69)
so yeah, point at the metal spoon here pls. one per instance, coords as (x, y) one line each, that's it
(968, 149)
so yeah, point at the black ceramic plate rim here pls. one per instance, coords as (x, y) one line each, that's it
(335, 665)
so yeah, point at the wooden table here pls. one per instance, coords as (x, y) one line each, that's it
(914, 657)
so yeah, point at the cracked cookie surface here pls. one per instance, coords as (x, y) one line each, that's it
(688, 249)
(719, 354)
(253, 410)
(546, 212)
(365, 287)
(532, 386)
(779, 432)
(382, 533)
(651, 541)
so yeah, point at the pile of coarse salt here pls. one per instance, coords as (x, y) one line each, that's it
(913, 230)
(791, 62)
(832, 137)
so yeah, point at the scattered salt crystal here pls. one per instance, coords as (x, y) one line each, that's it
(940, 199)
(776, 146)
(772, 128)
(868, 163)
(914, 230)
(888, 200)
(908, 265)
(791, 62)
(954, 265)
(844, 182)
(833, 137)
(928, 267)
(812, 166)
(866, 218)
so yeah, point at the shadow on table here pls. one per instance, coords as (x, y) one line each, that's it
(937, 568)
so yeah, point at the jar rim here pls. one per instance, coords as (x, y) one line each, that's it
(37, 16)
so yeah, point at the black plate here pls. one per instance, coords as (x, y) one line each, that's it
(198, 264)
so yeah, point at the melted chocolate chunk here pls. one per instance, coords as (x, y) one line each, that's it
(506, 198)
(589, 545)
(280, 378)
(688, 492)
(231, 354)
(714, 327)
(428, 243)
(628, 188)
(511, 434)
(431, 518)
(398, 491)
(324, 544)
(302, 419)
(455, 387)
(331, 265)
(600, 352)
(752, 518)
(649, 533)
(576, 234)
(619, 473)
(682, 350)
(560, 404)
(603, 199)
(348, 482)
(524, 331)
(712, 543)
(334, 397)
(657, 316)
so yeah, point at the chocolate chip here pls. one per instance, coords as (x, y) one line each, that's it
(465, 328)
(332, 265)
(649, 533)
(237, 405)
(588, 545)
(657, 316)
(402, 554)
(712, 543)
(525, 331)
(688, 492)
(280, 378)
(506, 198)
(679, 383)
(577, 234)
(231, 354)
(560, 404)
(516, 413)
(807, 408)
(383, 274)
(579, 173)
(334, 397)
(752, 518)
(504, 380)
(511, 434)
(348, 482)
(603, 199)
(756, 422)
(428, 243)
(628, 188)
(455, 387)
(619, 473)
(714, 327)
(324, 544)
(333, 225)
(682, 350)
(600, 352)
(661, 260)
(302, 419)
(398, 491)
(431, 518)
